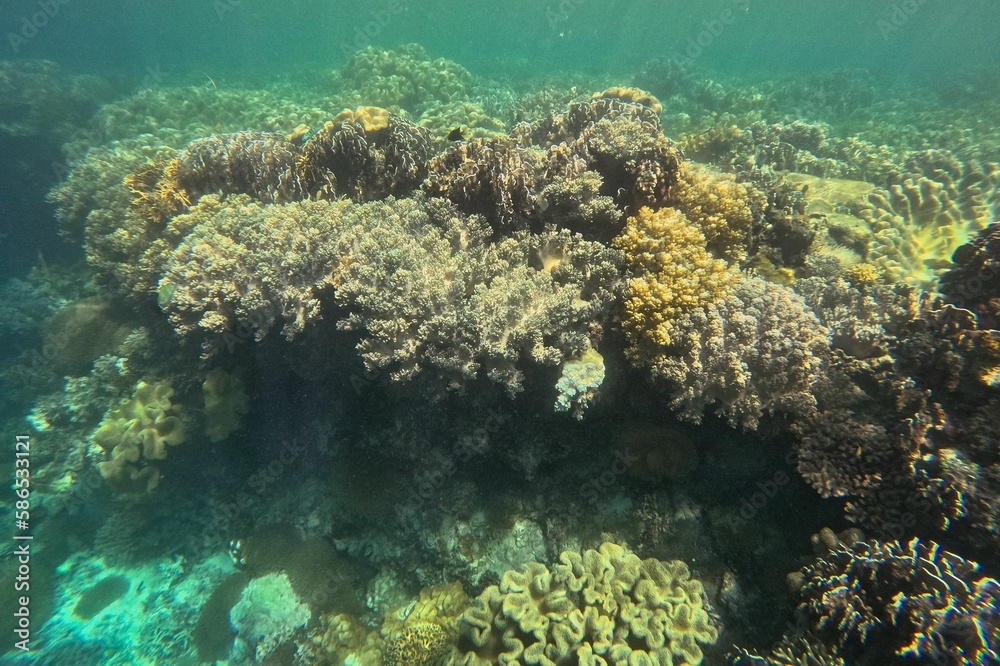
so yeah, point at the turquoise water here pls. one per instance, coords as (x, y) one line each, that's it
(563, 332)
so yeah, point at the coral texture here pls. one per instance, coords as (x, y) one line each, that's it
(725, 211)
(938, 206)
(973, 281)
(267, 614)
(919, 601)
(604, 606)
(137, 432)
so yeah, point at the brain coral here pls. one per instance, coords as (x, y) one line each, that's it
(605, 606)
(137, 432)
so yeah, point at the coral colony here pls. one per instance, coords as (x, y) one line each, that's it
(420, 370)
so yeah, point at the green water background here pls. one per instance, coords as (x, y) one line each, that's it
(896, 40)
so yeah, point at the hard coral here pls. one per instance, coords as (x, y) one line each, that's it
(488, 177)
(900, 602)
(725, 211)
(601, 606)
(973, 281)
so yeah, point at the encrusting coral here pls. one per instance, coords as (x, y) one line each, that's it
(601, 606)
(136, 433)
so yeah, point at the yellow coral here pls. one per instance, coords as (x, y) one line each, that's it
(723, 209)
(439, 605)
(225, 404)
(603, 606)
(157, 194)
(673, 274)
(342, 637)
(633, 96)
(417, 645)
(372, 118)
(709, 145)
(136, 432)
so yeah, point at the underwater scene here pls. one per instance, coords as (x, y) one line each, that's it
(551, 333)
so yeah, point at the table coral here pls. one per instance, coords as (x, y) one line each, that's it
(137, 432)
(903, 602)
(601, 606)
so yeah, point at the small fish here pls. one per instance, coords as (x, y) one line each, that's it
(456, 134)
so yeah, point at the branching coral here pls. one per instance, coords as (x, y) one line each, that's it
(136, 433)
(365, 154)
(910, 601)
(604, 606)
(973, 281)
(725, 211)
(404, 78)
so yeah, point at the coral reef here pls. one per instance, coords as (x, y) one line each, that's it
(973, 281)
(633, 96)
(137, 432)
(605, 604)
(718, 337)
(938, 205)
(404, 78)
(903, 601)
(267, 615)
